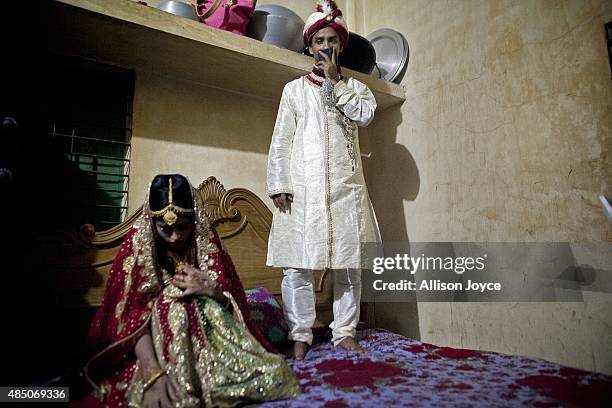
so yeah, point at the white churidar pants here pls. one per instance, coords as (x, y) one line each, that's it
(299, 303)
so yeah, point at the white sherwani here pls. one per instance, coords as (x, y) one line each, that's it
(315, 156)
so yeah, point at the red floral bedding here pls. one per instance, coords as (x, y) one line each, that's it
(397, 371)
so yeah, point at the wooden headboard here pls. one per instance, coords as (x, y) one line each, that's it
(77, 262)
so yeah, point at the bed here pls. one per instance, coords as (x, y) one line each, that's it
(395, 370)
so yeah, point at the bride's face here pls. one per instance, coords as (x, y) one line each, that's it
(178, 234)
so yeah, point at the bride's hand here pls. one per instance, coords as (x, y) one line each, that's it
(162, 393)
(194, 281)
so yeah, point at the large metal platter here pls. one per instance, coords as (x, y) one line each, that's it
(391, 53)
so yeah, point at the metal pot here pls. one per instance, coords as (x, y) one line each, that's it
(359, 55)
(277, 25)
(179, 8)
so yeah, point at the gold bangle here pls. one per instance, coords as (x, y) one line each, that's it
(153, 378)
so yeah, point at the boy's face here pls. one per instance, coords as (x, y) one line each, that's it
(325, 38)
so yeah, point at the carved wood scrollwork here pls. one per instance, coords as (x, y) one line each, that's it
(217, 208)
(65, 242)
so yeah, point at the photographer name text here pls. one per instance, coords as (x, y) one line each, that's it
(436, 285)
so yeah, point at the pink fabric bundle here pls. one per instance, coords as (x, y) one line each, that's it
(228, 15)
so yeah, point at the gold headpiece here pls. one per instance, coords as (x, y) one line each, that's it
(168, 213)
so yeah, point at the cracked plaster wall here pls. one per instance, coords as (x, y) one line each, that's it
(504, 136)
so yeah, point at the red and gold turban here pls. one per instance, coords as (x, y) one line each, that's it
(327, 15)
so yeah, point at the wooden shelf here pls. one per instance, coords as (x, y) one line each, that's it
(131, 35)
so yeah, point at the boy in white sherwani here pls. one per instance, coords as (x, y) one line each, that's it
(323, 212)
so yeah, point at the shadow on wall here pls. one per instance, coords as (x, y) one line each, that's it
(393, 178)
(392, 174)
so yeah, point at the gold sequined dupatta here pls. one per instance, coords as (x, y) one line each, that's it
(215, 360)
(208, 350)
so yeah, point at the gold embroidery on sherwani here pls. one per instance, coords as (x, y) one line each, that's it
(347, 129)
(330, 225)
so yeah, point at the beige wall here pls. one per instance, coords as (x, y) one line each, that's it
(181, 127)
(505, 136)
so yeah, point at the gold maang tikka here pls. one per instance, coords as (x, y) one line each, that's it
(168, 213)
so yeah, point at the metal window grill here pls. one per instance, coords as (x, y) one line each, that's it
(91, 119)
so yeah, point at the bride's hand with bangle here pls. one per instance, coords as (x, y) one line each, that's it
(160, 389)
(162, 393)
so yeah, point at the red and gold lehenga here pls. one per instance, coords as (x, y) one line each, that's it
(218, 357)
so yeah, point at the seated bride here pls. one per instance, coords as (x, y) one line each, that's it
(173, 328)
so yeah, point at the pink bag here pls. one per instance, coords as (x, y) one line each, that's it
(228, 15)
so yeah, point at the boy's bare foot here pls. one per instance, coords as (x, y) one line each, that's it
(349, 343)
(299, 349)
